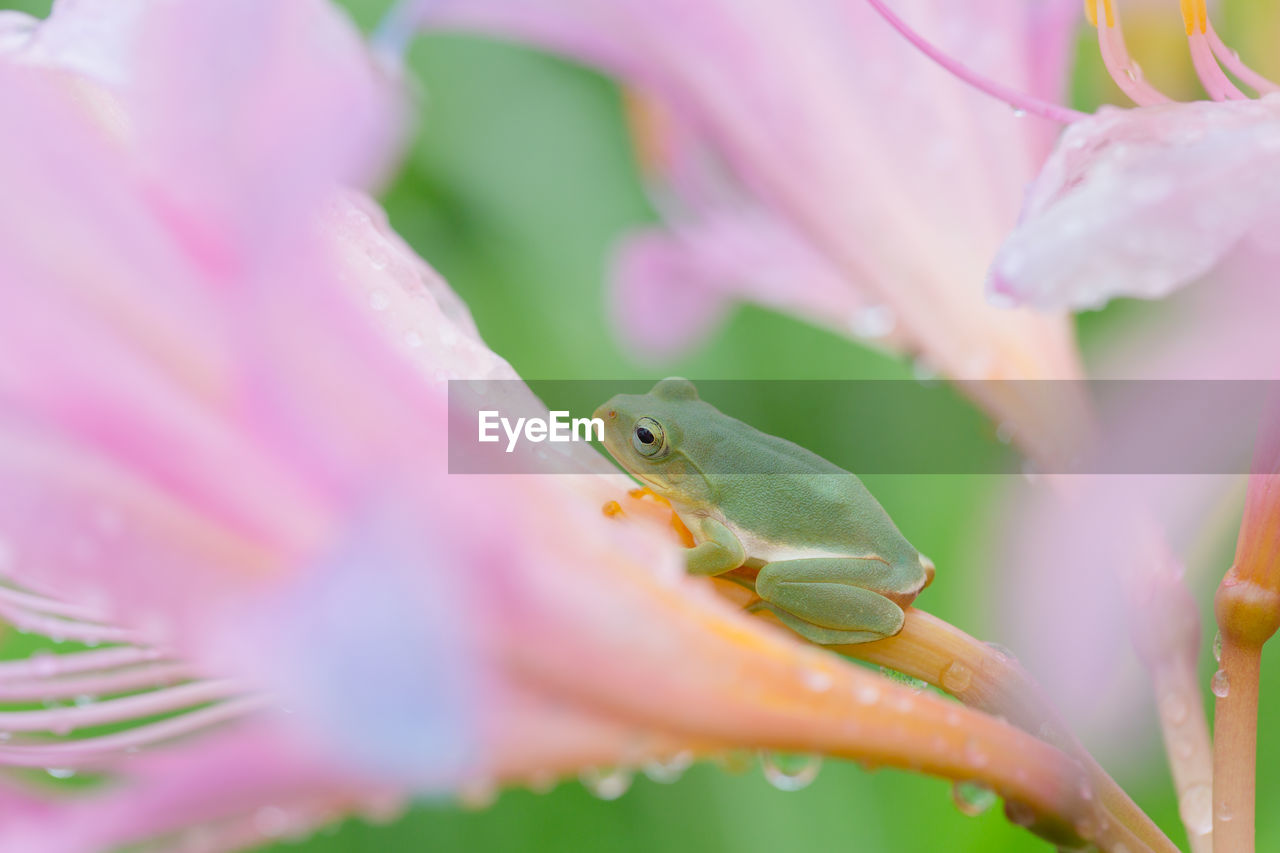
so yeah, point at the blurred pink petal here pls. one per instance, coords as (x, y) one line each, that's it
(1140, 202)
(902, 178)
(223, 450)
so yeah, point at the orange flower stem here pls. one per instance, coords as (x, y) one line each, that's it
(989, 679)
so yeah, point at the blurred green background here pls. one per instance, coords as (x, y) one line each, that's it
(517, 183)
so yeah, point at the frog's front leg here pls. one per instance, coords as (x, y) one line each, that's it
(719, 550)
(826, 600)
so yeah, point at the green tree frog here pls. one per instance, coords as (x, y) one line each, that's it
(832, 566)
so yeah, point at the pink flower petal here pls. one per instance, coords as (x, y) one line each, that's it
(1140, 202)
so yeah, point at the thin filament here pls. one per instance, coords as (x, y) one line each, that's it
(1236, 66)
(1116, 57)
(1017, 100)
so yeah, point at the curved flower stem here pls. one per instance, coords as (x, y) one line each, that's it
(1247, 606)
(1236, 745)
(985, 677)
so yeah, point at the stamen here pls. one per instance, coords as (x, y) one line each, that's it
(120, 681)
(47, 664)
(1236, 66)
(1091, 12)
(1215, 82)
(1017, 100)
(1120, 65)
(66, 629)
(1195, 16)
(66, 719)
(77, 752)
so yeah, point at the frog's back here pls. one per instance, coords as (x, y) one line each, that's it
(785, 494)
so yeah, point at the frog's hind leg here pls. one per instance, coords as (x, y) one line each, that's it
(824, 600)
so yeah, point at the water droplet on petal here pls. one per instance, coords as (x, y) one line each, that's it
(84, 699)
(957, 677)
(1217, 647)
(1173, 709)
(1196, 808)
(972, 798)
(412, 339)
(1219, 684)
(1004, 432)
(924, 372)
(867, 694)
(272, 821)
(60, 772)
(377, 259)
(669, 770)
(873, 321)
(44, 663)
(788, 772)
(606, 784)
(1018, 112)
(817, 680)
(379, 301)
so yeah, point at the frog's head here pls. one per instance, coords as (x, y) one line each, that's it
(646, 433)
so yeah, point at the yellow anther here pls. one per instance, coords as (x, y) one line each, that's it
(1195, 15)
(1091, 12)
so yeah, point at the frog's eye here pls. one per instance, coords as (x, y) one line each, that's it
(647, 437)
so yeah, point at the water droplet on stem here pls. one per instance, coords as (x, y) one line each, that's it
(788, 772)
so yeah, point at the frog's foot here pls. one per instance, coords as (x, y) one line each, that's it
(820, 600)
(816, 633)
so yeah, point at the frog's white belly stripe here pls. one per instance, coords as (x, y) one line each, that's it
(768, 551)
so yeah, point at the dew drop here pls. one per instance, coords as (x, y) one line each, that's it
(1173, 709)
(867, 694)
(790, 772)
(60, 772)
(412, 339)
(1224, 811)
(668, 770)
(1196, 808)
(271, 821)
(1019, 112)
(84, 699)
(1002, 652)
(974, 756)
(972, 798)
(1219, 684)
(606, 784)
(957, 677)
(817, 680)
(44, 663)
(377, 259)
(924, 372)
(873, 321)
(916, 684)
(1217, 647)
(1004, 432)
(379, 301)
